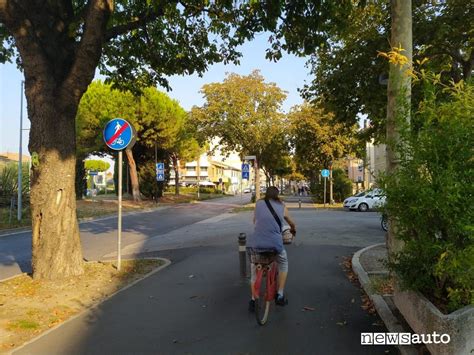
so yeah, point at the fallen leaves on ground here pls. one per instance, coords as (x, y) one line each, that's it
(30, 307)
(367, 304)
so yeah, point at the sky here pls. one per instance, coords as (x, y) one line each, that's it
(289, 73)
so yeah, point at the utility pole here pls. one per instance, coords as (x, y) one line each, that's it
(20, 156)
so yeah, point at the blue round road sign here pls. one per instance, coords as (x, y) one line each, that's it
(118, 134)
(325, 173)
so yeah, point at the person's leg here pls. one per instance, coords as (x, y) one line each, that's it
(282, 260)
(252, 280)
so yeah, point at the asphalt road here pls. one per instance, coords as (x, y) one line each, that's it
(99, 237)
(198, 304)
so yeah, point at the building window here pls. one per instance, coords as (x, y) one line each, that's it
(191, 168)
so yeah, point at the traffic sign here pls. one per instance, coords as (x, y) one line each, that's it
(245, 167)
(325, 173)
(93, 173)
(245, 175)
(118, 134)
(160, 172)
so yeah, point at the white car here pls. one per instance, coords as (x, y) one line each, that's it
(360, 194)
(365, 201)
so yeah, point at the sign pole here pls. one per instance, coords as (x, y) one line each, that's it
(119, 246)
(20, 156)
(325, 191)
(118, 135)
(241, 180)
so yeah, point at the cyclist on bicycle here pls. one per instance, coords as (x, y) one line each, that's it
(267, 235)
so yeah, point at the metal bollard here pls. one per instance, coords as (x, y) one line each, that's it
(242, 255)
(299, 203)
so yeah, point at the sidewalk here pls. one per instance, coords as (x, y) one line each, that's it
(369, 265)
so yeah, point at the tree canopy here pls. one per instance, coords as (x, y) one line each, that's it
(244, 114)
(317, 139)
(349, 79)
(96, 165)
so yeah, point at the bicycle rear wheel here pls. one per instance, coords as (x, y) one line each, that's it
(262, 305)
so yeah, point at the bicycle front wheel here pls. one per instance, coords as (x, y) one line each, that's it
(262, 305)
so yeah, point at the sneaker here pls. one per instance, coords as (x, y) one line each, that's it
(281, 300)
(252, 306)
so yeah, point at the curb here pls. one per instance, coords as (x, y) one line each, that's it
(90, 309)
(383, 310)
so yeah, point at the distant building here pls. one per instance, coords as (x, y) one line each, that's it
(211, 173)
(8, 157)
(376, 161)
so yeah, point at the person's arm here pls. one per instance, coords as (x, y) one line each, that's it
(290, 221)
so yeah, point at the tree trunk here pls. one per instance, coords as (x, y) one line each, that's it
(58, 68)
(81, 182)
(174, 158)
(398, 94)
(56, 247)
(133, 175)
(257, 181)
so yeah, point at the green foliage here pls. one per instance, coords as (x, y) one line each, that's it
(99, 104)
(355, 88)
(342, 187)
(430, 199)
(96, 165)
(317, 139)
(157, 119)
(9, 182)
(148, 184)
(243, 112)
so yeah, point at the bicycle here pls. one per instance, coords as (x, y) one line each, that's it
(384, 222)
(265, 286)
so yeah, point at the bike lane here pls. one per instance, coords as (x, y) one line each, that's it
(198, 305)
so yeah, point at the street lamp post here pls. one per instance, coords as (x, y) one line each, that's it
(20, 151)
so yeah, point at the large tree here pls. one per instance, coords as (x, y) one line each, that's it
(244, 114)
(317, 139)
(99, 104)
(60, 45)
(351, 80)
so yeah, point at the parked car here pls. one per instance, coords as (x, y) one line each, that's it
(246, 190)
(360, 194)
(371, 199)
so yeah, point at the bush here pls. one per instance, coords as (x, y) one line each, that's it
(9, 183)
(342, 187)
(430, 200)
